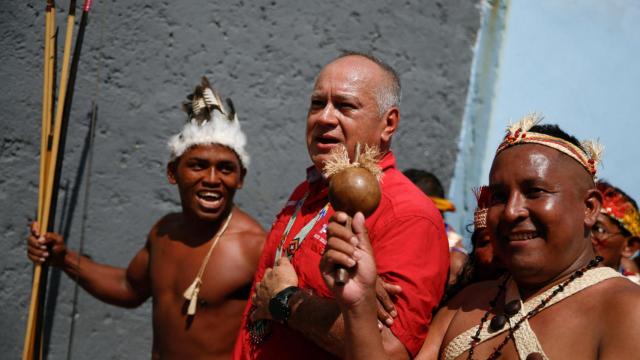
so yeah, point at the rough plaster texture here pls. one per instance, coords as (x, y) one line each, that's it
(263, 54)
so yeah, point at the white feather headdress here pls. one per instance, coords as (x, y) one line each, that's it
(210, 122)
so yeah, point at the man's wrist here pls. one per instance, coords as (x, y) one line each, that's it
(280, 304)
(365, 305)
(70, 262)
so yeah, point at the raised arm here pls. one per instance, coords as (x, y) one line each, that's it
(318, 318)
(356, 298)
(128, 287)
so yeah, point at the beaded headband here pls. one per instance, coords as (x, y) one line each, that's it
(519, 133)
(619, 208)
(209, 122)
(483, 197)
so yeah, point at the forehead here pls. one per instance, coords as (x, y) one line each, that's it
(531, 162)
(608, 222)
(211, 152)
(349, 74)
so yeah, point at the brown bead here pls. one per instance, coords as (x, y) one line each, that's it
(535, 356)
(354, 189)
(512, 307)
(497, 322)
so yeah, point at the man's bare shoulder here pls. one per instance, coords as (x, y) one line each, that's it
(620, 298)
(245, 223)
(246, 226)
(247, 234)
(619, 318)
(165, 225)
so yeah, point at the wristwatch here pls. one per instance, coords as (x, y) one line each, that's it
(279, 304)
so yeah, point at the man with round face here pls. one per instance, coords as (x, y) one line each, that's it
(292, 314)
(616, 233)
(554, 303)
(205, 240)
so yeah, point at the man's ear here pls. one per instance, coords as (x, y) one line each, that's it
(172, 166)
(593, 203)
(391, 120)
(243, 173)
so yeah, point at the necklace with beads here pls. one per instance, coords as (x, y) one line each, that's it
(513, 307)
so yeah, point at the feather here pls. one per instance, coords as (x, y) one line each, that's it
(212, 97)
(231, 115)
(525, 123)
(191, 290)
(594, 150)
(193, 302)
(199, 109)
(483, 196)
(222, 128)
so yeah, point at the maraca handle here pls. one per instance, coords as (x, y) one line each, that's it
(342, 275)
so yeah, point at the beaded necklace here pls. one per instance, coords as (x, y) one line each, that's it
(513, 307)
(259, 330)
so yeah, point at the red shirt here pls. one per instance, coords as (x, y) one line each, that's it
(411, 250)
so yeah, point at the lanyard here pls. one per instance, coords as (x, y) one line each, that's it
(302, 234)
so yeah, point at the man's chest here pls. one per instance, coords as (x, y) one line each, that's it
(174, 266)
(563, 331)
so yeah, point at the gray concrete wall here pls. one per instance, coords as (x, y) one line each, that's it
(263, 54)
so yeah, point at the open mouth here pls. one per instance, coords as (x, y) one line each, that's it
(209, 199)
(326, 141)
(523, 236)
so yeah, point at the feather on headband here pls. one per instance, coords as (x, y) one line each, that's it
(210, 121)
(483, 197)
(519, 133)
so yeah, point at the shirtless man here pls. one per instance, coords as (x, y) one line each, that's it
(544, 204)
(208, 165)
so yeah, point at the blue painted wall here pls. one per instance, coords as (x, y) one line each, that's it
(577, 63)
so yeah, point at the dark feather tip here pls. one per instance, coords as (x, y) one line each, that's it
(232, 109)
(205, 82)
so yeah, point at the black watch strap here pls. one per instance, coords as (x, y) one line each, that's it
(279, 304)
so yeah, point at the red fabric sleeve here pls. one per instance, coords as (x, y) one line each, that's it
(412, 251)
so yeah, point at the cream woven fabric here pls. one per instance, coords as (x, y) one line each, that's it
(524, 338)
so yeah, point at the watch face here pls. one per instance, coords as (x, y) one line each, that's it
(279, 304)
(279, 308)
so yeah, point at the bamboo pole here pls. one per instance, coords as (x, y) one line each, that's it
(55, 164)
(48, 157)
(44, 129)
(52, 150)
(66, 102)
(27, 351)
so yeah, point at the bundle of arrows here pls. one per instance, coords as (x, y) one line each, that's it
(53, 135)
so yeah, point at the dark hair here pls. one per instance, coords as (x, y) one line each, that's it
(425, 181)
(555, 131)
